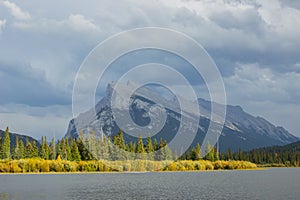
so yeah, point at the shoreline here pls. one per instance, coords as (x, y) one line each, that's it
(143, 172)
(136, 172)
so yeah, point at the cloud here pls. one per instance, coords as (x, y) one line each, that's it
(35, 120)
(2, 24)
(21, 84)
(252, 82)
(291, 3)
(41, 52)
(80, 23)
(34, 126)
(16, 11)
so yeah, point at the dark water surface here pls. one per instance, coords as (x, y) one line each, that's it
(281, 183)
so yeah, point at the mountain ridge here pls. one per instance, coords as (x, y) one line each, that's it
(20, 137)
(241, 130)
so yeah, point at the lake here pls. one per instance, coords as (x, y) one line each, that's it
(279, 183)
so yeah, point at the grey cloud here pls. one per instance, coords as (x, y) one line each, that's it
(291, 3)
(21, 84)
(251, 82)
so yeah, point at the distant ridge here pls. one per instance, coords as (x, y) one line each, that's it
(20, 137)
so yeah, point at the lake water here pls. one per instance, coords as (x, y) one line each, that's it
(281, 183)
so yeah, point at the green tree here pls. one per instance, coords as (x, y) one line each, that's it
(75, 155)
(104, 151)
(1, 148)
(68, 149)
(210, 153)
(149, 148)
(160, 153)
(167, 152)
(229, 155)
(91, 144)
(31, 149)
(140, 150)
(6, 145)
(28, 148)
(84, 152)
(17, 154)
(196, 153)
(120, 146)
(44, 149)
(155, 145)
(52, 150)
(35, 150)
(21, 149)
(132, 149)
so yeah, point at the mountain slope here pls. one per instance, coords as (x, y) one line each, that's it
(289, 148)
(20, 137)
(241, 130)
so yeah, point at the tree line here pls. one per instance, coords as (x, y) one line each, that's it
(86, 148)
(92, 147)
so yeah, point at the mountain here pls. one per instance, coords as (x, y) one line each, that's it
(289, 148)
(20, 137)
(241, 130)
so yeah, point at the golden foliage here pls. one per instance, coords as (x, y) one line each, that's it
(40, 165)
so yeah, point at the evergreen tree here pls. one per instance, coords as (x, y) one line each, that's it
(1, 148)
(35, 150)
(44, 149)
(167, 152)
(229, 155)
(17, 154)
(195, 153)
(31, 149)
(52, 150)
(58, 149)
(104, 149)
(131, 149)
(149, 148)
(156, 150)
(84, 152)
(28, 148)
(6, 145)
(160, 153)
(90, 143)
(63, 150)
(155, 145)
(110, 148)
(121, 147)
(140, 149)
(68, 149)
(21, 149)
(75, 155)
(210, 153)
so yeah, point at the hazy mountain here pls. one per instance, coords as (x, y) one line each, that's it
(241, 130)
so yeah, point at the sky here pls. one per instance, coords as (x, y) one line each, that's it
(254, 43)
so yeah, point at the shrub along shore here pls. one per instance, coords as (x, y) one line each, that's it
(44, 166)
